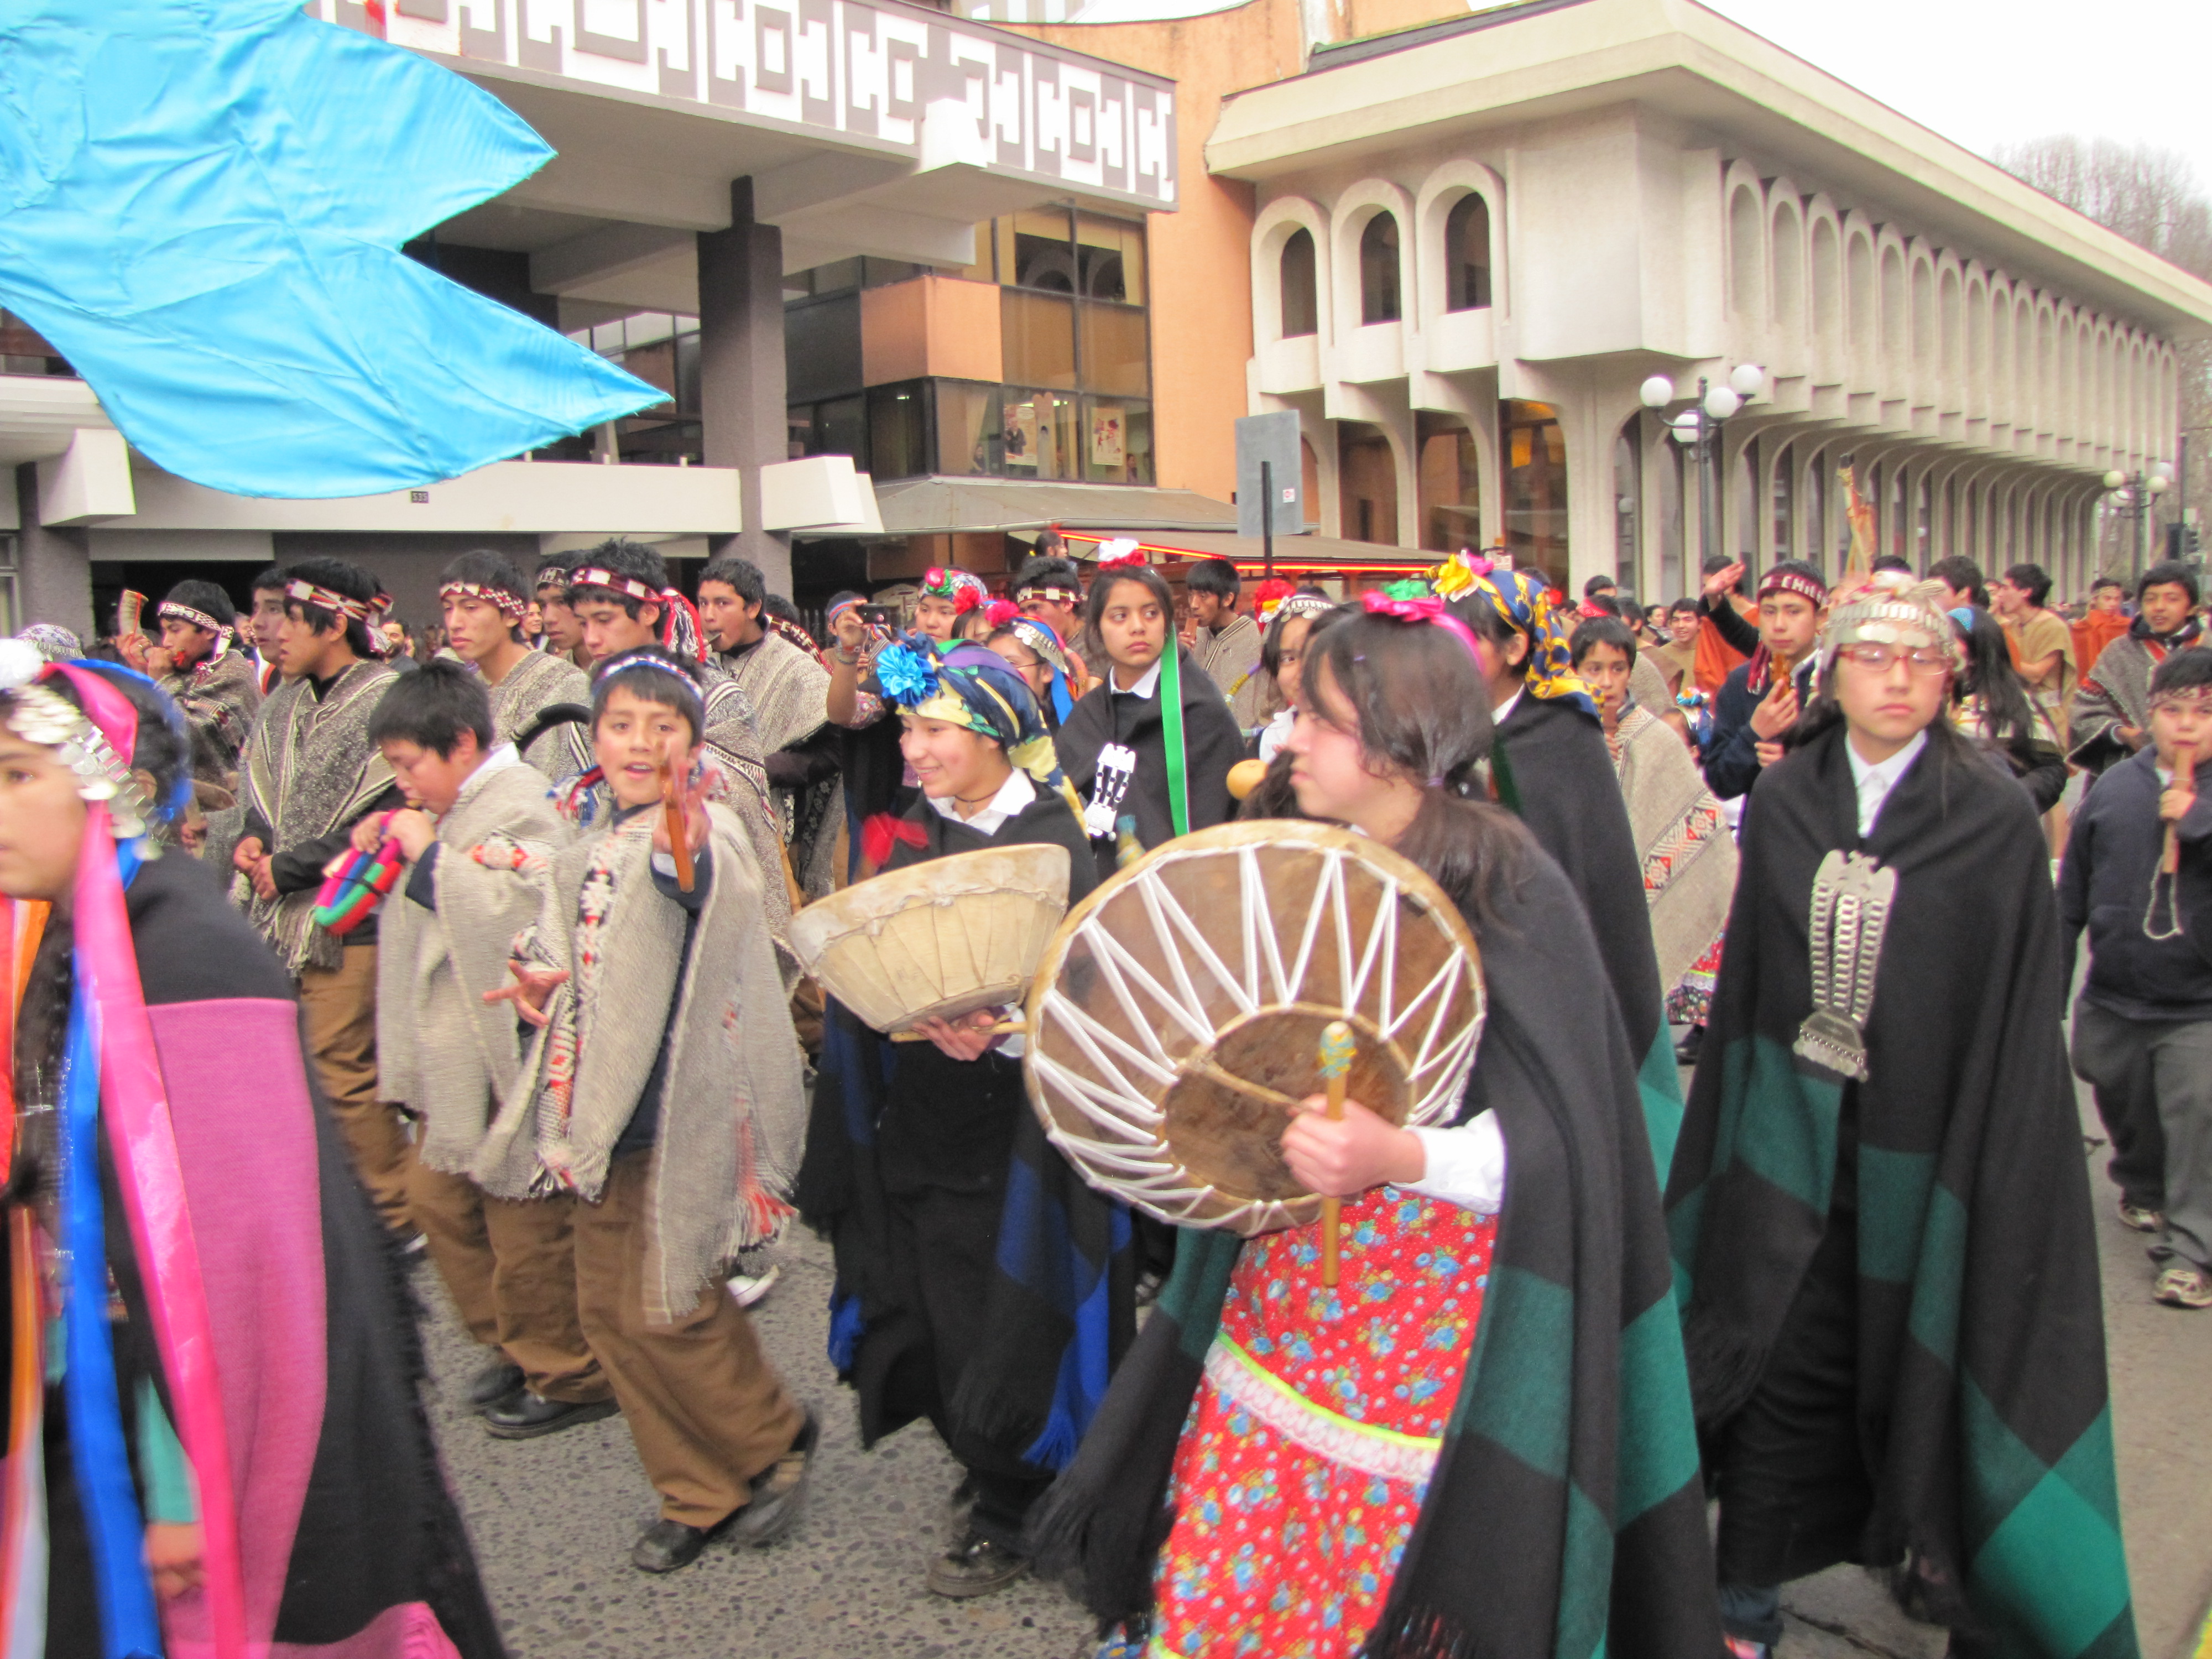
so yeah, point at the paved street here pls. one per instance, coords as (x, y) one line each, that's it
(553, 1519)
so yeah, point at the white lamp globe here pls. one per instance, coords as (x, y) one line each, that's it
(1656, 392)
(1721, 402)
(2115, 478)
(2160, 469)
(2157, 484)
(1748, 379)
(1685, 427)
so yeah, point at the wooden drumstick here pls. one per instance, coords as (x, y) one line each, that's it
(680, 832)
(2184, 774)
(1336, 1066)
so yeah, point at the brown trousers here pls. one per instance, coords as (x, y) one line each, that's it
(339, 1008)
(511, 1267)
(706, 1411)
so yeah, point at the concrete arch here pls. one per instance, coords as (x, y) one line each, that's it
(2026, 373)
(2000, 326)
(1354, 206)
(2100, 396)
(1273, 227)
(1861, 309)
(1951, 345)
(1926, 334)
(2046, 363)
(1896, 365)
(1445, 187)
(1976, 318)
(1825, 248)
(1786, 273)
(1746, 247)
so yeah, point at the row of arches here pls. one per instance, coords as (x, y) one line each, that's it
(1833, 295)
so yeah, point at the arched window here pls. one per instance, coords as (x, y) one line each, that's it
(1467, 255)
(1378, 270)
(1301, 306)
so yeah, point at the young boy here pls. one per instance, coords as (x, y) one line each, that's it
(477, 825)
(1761, 700)
(484, 602)
(2142, 1027)
(212, 682)
(663, 1090)
(307, 775)
(1225, 643)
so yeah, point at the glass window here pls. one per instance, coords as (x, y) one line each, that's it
(822, 349)
(1117, 441)
(1627, 504)
(1378, 270)
(1535, 495)
(1036, 250)
(841, 427)
(1113, 350)
(1040, 428)
(970, 428)
(882, 273)
(1109, 258)
(898, 428)
(1037, 339)
(1467, 255)
(1450, 480)
(1301, 303)
(1785, 503)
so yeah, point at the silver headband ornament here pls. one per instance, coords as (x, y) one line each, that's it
(38, 714)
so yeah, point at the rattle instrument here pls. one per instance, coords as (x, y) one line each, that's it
(1335, 1061)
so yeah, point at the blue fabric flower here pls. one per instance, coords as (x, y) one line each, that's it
(905, 674)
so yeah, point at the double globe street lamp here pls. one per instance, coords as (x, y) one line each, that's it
(2136, 495)
(1698, 430)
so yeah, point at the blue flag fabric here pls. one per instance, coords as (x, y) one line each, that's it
(201, 206)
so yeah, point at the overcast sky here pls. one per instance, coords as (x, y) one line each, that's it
(1987, 72)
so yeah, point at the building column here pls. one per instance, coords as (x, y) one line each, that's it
(741, 379)
(53, 566)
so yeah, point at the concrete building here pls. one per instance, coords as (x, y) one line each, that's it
(1474, 239)
(704, 153)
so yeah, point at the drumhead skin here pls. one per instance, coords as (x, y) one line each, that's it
(938, 940)
(1176, 1019)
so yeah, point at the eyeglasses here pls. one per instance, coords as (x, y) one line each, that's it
(1922, 659)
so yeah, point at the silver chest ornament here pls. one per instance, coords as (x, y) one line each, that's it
(1851, 899)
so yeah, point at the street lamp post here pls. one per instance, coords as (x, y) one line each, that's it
(1698, 430)
(2137, 495)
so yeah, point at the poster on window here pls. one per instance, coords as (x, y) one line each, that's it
(1107, 436)
(1022, 436)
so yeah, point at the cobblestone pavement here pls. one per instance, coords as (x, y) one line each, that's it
(553, 1519)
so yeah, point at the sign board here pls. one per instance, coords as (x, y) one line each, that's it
(1272, 439)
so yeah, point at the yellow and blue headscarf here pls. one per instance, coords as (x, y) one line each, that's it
(969, 685)
(1524, 601)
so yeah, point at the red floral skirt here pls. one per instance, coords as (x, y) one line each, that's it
(1300, 1473)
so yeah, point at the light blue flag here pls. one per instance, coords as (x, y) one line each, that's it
(201, 206)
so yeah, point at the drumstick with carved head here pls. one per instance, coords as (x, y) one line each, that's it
(1335, 1067)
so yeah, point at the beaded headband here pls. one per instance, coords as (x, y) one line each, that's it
(509, 606)
(184, 613)
(615, 664)
(1051, 593)
(323, 598)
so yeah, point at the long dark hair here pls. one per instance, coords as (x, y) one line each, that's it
(2007, 715)
(1102, 590)
(1422, 708)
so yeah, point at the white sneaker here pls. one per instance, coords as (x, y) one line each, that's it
(750, 1289)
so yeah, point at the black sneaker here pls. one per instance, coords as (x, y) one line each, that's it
(974, 1566)
(499, 1377)
(779, 1492)
(525, 1416)
(1687, 1050)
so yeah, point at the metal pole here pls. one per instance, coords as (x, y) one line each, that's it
(2142, 521)
(1267, 518)
(1706, 529)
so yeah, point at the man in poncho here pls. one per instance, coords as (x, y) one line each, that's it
(2111, 712)
(211, 681)
(484, 601)
(1879, 1208)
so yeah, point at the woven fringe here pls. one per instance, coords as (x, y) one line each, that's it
(1419, 1633)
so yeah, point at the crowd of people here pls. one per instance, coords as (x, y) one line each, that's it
(529, 884)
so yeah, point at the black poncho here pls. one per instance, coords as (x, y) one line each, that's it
(1981, 1395)
(1551, 768)
(1038, 1265)
(1565, 1516)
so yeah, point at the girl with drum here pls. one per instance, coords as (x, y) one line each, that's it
(1150, 748)
(929, 1173)
(1480, 1440)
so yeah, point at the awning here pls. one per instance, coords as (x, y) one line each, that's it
(1295, 556)
(918, 507)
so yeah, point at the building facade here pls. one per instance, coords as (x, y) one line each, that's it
(1475, 240)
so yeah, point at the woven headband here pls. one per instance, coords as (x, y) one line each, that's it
(1050, 593)
(615, 665)
(512, 606)
(593, 576)
(184, 613)
(306, 593)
